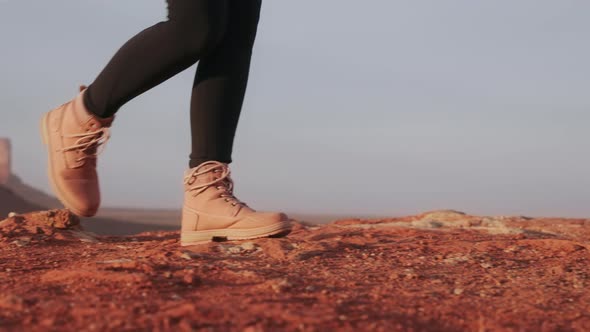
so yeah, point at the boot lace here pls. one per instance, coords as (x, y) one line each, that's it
(224, 181)
(90, 143)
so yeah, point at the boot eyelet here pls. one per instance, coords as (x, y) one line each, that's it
(227, 200)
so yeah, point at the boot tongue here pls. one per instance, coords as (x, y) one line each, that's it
(93, 149)
(90, 121)
(211, 176)
(201, 178)
(205, 178)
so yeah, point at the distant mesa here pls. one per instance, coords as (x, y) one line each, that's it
(15, 195)
(13, 183)
(5, 160)
(9, 201)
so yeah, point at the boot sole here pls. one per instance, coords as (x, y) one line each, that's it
(56, 190)
(189, 238)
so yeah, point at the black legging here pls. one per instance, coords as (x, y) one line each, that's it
(219, 33)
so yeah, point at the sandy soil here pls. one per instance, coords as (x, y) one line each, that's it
(438, 271)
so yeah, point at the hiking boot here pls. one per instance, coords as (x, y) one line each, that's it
(73, 135)
(211, 210)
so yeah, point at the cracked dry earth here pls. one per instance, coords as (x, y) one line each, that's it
(438, 271)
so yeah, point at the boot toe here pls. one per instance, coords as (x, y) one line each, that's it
(267, 218)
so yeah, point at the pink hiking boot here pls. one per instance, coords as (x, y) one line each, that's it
(211, 210)
(72, 135)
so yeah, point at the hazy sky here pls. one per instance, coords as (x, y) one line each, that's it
(359, 107)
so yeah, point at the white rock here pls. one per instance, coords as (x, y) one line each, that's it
(248, 246)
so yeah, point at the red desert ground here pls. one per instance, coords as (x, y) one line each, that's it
(437, 271)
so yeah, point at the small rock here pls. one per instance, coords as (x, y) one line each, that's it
(248, 246)
(115, 261)
(22, 241)
(62, 219)
(84, 236)
(394, 276)
(280, 285)
(458, 291)
(190, 279)
(186, 256)
(455, 259)
(435, 224)
(410, 276)
(248, 274)
(234, 250)
(12, 214)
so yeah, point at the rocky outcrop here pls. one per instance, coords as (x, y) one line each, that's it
(42, 227)
(438, 271)
(5, 160)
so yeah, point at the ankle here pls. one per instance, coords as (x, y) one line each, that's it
(87, 105)
(196, 162)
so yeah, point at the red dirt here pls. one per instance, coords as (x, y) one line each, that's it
(439, 271)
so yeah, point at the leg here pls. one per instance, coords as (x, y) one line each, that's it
(210, 209)
(74, 131)
(220, 85)
(157, 53)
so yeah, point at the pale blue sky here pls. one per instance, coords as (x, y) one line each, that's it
(378, 107)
